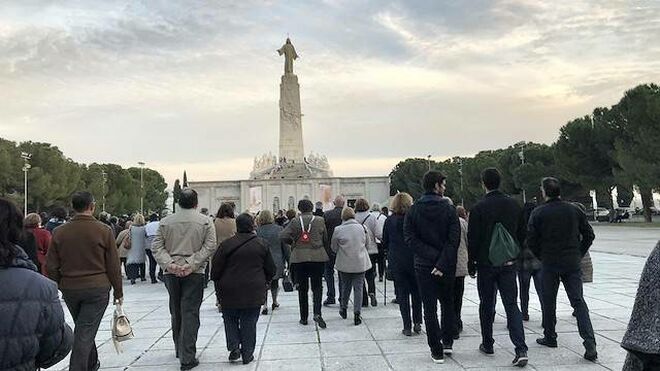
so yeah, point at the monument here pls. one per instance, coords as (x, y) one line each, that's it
(291, 175)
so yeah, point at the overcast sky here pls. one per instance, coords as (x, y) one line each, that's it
(194, 85)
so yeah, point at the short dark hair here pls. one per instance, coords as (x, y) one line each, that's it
(431, 178)
(188, 198)
(153, 217)
(305, 206)
(491, 178)
(226, 210)
(551, 187)
(244, 223)
(81, 201)
(290, 214)
(58, 213)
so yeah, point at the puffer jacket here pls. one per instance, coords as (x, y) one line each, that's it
(33, 333)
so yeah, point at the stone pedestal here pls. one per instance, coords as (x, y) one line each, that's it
(291, 136)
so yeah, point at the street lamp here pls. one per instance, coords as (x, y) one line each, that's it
(460, 172)
(26, 167)
(104, 175)
(428, 159)
(521, 154)
(141, 187)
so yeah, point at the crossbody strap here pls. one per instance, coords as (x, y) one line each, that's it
(302, 224)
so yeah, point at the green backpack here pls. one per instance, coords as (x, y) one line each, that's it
(503, 247)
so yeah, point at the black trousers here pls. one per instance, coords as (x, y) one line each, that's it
(304, 273)
(433, 289)
(502, 279)
(87, 307)
(572, 280)
(381, 261)
(329, 276)
(407, 292)
(370, 276)
(459, 289)
(185, 299)
(524, 280)
(152, 266)
(135, 271)
(241, 329)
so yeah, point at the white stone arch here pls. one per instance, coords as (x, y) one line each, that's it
(292, 203)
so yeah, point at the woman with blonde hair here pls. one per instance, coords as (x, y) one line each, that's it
(123, 245)
(401, 263)
(269, 232)
(137, 255)
(349, 242)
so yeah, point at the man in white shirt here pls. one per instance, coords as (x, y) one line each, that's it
(151, 228)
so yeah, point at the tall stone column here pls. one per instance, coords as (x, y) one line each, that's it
(291, 137)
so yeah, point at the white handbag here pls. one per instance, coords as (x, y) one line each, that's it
(121, 328)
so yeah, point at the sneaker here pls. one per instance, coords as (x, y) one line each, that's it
(437, 358)
(591, 354)
(190, 366)
(486, 350)
(247, 360)
(417, 328)
(342, 313)
(264, 311)
(406, 331)
(525, 317)
(303, 322)
(357, 319)
(329, 301)
(319, 321)
(373, 300)
(520, 360)
(447, 350)
(550, 343)
(234, 355)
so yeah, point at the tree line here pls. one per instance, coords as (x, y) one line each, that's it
(53, 177)
(616, 147)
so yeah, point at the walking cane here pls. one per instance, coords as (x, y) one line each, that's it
(385, 287)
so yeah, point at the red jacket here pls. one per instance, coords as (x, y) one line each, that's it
(43, 241)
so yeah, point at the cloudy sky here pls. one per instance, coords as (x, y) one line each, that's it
(194, 84)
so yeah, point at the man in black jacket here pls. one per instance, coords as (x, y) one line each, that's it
(496, 207)
(559, 234)
(432, 230)
(332, 219)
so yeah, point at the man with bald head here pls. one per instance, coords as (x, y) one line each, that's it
(332, 220)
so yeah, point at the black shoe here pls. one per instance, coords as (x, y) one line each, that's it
(303, 322)
(574, 314)
(591, 354)
(525, 317)
(394, 301)
(417, 328)
(457, 336)
(380, 279)
(154, 281)
(357, 319)
(319, 321)
(486, 350)
(342, 313)
(275, 306)
(247, 360)
(191, 365)
(144, 279)
(264, 311)
(374, 302)
(437, 358)
(447, 350)
(520, 360)
(406, 331)
(547, 342)
(329, 301)
(234, 355)
(132, 282)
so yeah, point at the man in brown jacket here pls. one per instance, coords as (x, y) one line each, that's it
(82, 259)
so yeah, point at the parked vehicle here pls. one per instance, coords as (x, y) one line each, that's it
(601, 214)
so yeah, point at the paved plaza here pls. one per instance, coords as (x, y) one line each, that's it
(283, 344)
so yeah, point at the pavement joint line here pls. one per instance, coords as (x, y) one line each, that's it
(152, 345)
(382, 353)
(263, 341)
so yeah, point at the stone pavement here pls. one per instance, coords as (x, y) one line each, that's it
(283, 344)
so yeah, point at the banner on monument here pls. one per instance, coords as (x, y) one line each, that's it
(256, 203)
(326, 196)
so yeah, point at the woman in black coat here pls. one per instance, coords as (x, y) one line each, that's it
(242, 269)
(33, 333)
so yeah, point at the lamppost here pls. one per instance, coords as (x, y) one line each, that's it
(141, 187)
(460, 172)
(104, 175)
(521, 154)
(428, 159)
(26, 167)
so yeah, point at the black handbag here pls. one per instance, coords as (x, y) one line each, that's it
(287, 282)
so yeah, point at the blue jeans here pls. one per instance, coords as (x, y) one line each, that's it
(329, 276)
(524, 278)
(572, 280)
(241, 329)
(489, 281)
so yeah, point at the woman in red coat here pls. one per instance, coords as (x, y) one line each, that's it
(32, 224)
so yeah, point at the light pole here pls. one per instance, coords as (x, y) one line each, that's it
(460, 172)
(104, 175)
(26, 167)
(141, 187)
(521, 154)
(428, 159)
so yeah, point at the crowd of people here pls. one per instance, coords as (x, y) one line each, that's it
(427, 247)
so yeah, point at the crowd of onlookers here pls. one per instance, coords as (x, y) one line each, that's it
(427, 247)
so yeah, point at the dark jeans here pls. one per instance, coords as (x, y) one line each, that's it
(381, 261)
(304, 273)
(370, 276)
(433, 289)
(185, 299)
(459, 289)
(502, 279)
(329, 275)
(135, 271)
(407, 290)
(241, 329)
(152, 266)
(353, 281)
(572, 280)
(524, 278)
(87, 307)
